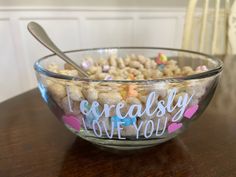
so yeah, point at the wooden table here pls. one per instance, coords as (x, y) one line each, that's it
(34, 143)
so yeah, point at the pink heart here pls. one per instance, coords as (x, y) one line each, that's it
(72, 121)
(191, 111)
(174, 126)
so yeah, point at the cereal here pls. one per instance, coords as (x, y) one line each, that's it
(57, 90)
(127, 60)
(141, 59)
(73, 72)
(132, 68)
(113, 61)
(75, 93)
(135, 64)
(53, 68)
(90, 94)
(109, 98)
(187, 70)
(133, 100)
(131, 91)
(121, 63)
(92, 70)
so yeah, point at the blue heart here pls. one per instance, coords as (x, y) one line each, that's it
(127, 121)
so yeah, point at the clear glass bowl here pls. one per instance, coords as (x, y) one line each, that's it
(96, 111)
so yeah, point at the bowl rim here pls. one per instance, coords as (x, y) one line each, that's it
(39, 68)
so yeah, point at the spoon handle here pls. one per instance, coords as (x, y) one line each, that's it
(39, 33)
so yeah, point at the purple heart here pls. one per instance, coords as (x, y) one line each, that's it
(72, 122)
(105, 68)
(108, 78)
(174, 126)
(191, 111)
(86, 65)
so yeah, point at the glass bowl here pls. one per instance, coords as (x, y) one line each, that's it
(96, 110)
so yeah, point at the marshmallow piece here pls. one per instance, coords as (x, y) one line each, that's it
(108, 77)
(202, 68)
(86, 65)
(105, 68)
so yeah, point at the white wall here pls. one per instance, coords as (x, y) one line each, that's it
(97, 3)
(74, 28)
(105, 3)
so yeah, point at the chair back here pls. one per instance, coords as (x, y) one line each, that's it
(206, 26)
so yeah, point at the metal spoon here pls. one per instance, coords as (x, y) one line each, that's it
(39, 33)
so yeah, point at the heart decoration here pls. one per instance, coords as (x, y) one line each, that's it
(72, 122)
(174, 126)
(191, 111)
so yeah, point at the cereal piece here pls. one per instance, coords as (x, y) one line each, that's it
(178, 95)
(73, 73)
(127, 60)
(143, 98)
(123, 93)
(171, 62)
(135, 71)
(135, 64)
(67, 66)
(172, 67)
(121, 63)
(102, 62)
(99, 69)
(139, 77)
(90, 94)
(153, 64)
(156, 74)
(92, 70)
(109, 98)
(75, 93)
(103, 76)
(133, 57)
(147, 74)
(132, 92)
(147, 64)
(112, 71)
(187, 70)
(93, 77)
(53, 68)
(168, 72)
(177, 71)
(133, 100)
(57, 90)
(118, 78)
(142, 59)
(112, 60)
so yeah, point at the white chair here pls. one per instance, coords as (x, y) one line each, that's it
(206, 28)
(232, 30)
